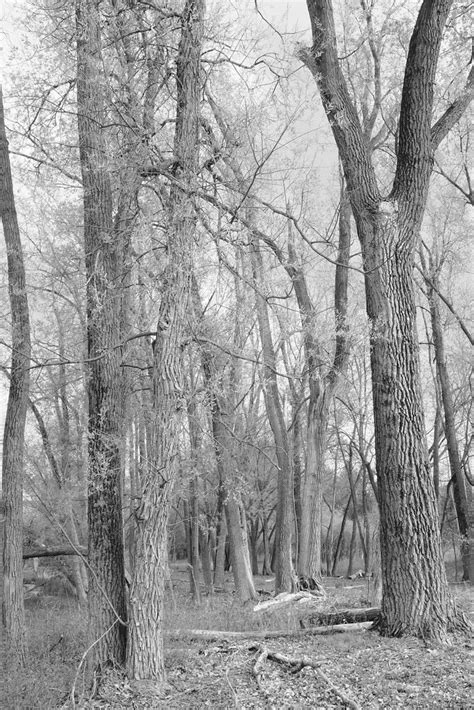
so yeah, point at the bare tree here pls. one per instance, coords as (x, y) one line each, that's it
(415, 596)
(105, 254)
(145, 658)
(14, 432)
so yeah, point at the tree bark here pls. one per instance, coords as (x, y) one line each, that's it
(415, 592)
(15, 418)
(105, 254)
(145, 659)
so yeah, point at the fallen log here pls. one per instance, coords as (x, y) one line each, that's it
(54, 552)
(346, 616)
(299, 599)
(210, 635)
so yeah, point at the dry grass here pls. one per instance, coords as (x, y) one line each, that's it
(56, 633)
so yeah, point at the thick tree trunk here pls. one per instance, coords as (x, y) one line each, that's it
(415, 592)
(15, 419)
(104, 263)
(145, 660)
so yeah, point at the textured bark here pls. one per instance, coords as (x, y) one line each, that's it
(145, 659)
(105, 253)
(415, 591)
(15, 418)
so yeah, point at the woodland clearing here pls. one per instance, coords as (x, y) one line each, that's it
(356, 669)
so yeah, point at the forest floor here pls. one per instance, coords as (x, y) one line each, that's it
(356, 669)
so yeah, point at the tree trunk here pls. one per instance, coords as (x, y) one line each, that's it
(221, 535)
(145, 660)
(222, 394)
(205, 545)
(350, 564)
(105, 253)
(235, 520)
(460, 495)
(193, 495)
(322, 387)
(15, 419)
(266, 565)
(253, 540)
(284, 573)
(415, 591)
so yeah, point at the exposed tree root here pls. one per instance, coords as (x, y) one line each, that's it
(296, 664)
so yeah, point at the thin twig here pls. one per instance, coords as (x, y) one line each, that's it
(84, 656)
(345, 698)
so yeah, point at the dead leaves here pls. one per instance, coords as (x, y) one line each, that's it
(295, 665)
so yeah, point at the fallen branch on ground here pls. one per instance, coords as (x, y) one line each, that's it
(296, 665)
(299, 598)
(346, 616)
(232, 635)
(257, 671)
(54, 552)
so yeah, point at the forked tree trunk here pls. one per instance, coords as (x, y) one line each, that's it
(105, 253)
(145, 659)
(415, 591)
(15, 419)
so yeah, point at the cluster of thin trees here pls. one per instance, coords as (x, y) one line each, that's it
(205, 360)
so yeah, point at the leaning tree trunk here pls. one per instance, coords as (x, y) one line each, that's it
(145, 659)
(415, 591)
(15, 419)
(104, 264)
